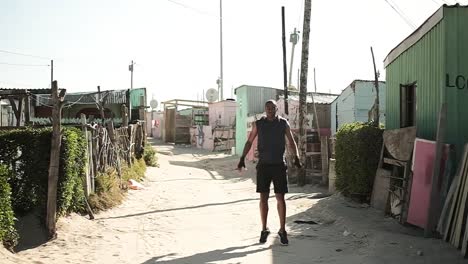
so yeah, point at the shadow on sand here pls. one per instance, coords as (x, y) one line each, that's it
(210, 256)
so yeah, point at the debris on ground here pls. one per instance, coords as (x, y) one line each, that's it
(134, 185)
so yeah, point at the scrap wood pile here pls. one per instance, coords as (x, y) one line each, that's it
(453, 221)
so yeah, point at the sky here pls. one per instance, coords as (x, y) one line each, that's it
(176, 43)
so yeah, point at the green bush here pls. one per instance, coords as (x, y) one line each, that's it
(8, 235)
(27, 153)
(150, 157)
(70, 194)
(357, 152)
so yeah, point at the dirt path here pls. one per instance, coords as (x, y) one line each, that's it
(197, 209)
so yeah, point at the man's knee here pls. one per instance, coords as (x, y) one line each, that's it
(264, 197)
(279, 197)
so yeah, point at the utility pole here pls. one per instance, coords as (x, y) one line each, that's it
(294, 38)
(221, 78)
(51, 72)
(315, 82)
(286, 105)
(303, 91)
(375, 111)
(130, 68)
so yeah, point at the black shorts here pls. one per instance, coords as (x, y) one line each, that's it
(266, 173)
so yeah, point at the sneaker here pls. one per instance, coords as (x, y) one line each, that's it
(263, 235)
(283, 238)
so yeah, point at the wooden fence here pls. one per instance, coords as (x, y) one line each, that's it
(109, 147)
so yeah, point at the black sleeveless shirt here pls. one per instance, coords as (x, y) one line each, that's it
(271, 140)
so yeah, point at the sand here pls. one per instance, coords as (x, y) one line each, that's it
(197, 209)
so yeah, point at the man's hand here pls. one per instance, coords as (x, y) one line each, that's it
(297, 162)
(241, 164)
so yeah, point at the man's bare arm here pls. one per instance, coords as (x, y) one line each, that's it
(247, 146)
(250, 140)
(292, 142)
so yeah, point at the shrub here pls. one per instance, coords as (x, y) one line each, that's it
(8, 234)
(27, 153)
(357, 151)
(70, 194)
(150, 157)
(109, 191)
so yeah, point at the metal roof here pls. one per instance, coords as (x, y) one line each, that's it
(420, 32)
(319, 98)
(111, 96)
(22, 90)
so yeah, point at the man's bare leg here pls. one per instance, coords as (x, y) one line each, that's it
(281, 206)
(264, 209)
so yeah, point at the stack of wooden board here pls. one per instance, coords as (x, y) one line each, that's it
(453, 221)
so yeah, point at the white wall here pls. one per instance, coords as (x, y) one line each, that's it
(346, 114)
(222, 113)
(365, 96)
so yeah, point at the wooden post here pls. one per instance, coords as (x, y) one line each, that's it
(375, 112)
(17, 109)
(92, 171)
(100, 105)
(124, 112)
(301, 179)
(324, 154)
(27, 110)
(433, 211)
(87, 165)
(57, 101)
(285, 78)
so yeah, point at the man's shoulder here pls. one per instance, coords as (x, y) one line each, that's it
(283, 120)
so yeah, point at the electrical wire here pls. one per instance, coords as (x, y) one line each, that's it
(23, 54)
(401, 14)
(13, 64)
(192, 8)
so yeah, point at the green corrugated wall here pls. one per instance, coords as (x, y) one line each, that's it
(423, 63)
(456, 21)
(135, 95)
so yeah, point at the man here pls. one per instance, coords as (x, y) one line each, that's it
(271, 130)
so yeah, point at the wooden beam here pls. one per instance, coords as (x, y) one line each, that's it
(27, 110)
(433, 212)
(54, 162)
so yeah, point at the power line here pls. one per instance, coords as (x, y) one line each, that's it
(192, 8)
(13, 64)
(401, 14)
(26, 55)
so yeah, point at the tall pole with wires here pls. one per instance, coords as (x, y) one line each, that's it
(221, 78)
(51, 72)
(130, 68)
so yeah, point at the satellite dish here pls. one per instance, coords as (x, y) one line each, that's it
(211, 95)
(153, 103)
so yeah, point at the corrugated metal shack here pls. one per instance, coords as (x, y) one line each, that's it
(428, 68)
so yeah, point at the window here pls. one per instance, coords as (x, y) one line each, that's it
(408, 105)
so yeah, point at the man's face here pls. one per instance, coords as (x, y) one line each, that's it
(270, 110)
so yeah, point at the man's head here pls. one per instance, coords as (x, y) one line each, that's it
(271, 108)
